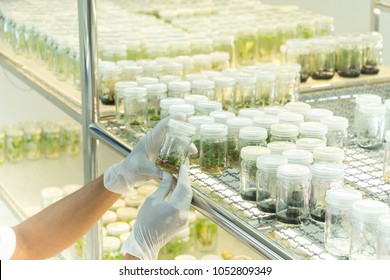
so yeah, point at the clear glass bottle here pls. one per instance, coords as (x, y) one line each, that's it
(193, 99)
(119, 102)
(234, 125)
(136, 110)
(179, 89)
(323, 58)
(165, 79)
(51, 141)
(187, 109)
(133, 49)
(290, 118)
(178, 47)
(265, 121)
(316, 114)
(284, 132)
(197, 121)
(203, 87)
(298, 107)
(220, 61)
(386, 158)
(349, 52)
(250, 113)
(222, 116)
(325, 176)
(278, 147)
(338, 219)
(383, 246)
(111, 248)
(178, 245)
(266, 181)
(131, 72)
(364, 235)
(371, 126)
(166, 102)
(245, 46)
(213, 148)
(204, 108)
(201, 45)
(328, 154)
(201, 62)
(2, 147)
(372, 53)
(206, 234)
(285, 87)
(248, 169)
(363, 99)
(113, 52)
(172, 68)
(337, 135)
(174, 149)
(144, 80)
(292, 198)
(299, 156)
(298, 50)
(155, 93)
(244, 92)
(266, 38)
(252, 136)
(224, 91)
(316, 130)
(309, 144)
(32, 135)
(109, 76)
(265, 88)
(72, 139)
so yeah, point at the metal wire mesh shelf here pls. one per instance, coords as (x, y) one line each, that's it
(219, 194)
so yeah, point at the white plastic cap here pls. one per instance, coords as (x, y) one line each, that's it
(214, 130)
(313, 129)
(166, 102)
(203, 84)
(265, 121)
(209, 105)
(127, 213)
(250, 112)
(298, 107)
(368, 98)
(328, 171)
(224, 81)
(328, 154)
(222, 116)
(270, 162)
(310, 144)
(183, 127)
(219, 56)
(372, 108)
(274, 110)
(109, 217)
(120, 86)
(253, 133)
(245, 79)
(284, 130)
(141, 81)
(179, 86)
(156, 88)
(111, 243)
(194, 98)
(278, 147)
(253, 152)
(134, 92)
(335, 123)
(197, 121)
(195, 76)
(369, 210)
(185, 108)
(290, 118)
(265, 76)
(316, 114)
(116, 228)
(343, 197)
(293, 172)
(168, 78)
(236, 123)
(298, 156)
(185, 257)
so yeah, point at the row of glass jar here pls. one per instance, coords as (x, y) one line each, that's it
(36, 140)
(349, 55)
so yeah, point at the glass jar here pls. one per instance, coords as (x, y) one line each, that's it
(187, 109)
(265, 121)
(179, 89)
(166, 102)
(290, 118)
(316, 114)
(387, 115)
(111, 248)
(313, 130)
(383, 246)
(109, 217)
(325, 176)
(178, 47)
(136, 110)
(119, 102)
(117, 228)
(372, 53)
(309, 144)
(364, 235)
(187, 62)
(274, 110)
(197, 121)
(292, 198)
(172, 68)
(213, 148)
(266, 181)
(206, 235)
(222, 116)
(337, 135)
(371, 126)
(248, 169)
(338, 219)
(71, 138)
(195, 76)
(109, 76)
(386, 158)
(225, 43)
(203, 87)
(2, 147)
(155, 48)
(133, 49)
(250, 112)
(32, 136)
(252, 136)
(224, 91)
(174, 149)
(126, 214)
(201, 45)
(245, 46)
(204, 108)
(349, 52)
(363, 99)
(265, 88)
(234, 125)
(178, 245)
(266, 38)
(165, 79)
(299, 156)
(193, 99)
(143, 81)
(323, 58)
(113, 52)
(220, 61)
(244, 92)
(284, 132)
(285, 87)
(51, 143)
(324, 26)
(278, 147)
(131, 72)
(50, 195)
(200, 63)
(298, 50)
(298, 107)
(328, 154)
(155, 93)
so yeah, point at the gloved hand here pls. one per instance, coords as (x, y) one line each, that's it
(139, 165)
(159, 219)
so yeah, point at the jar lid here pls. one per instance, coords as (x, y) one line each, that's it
(166, 102)
(316, 114)
(274, 110)
(182, 234)
(372, 36)
(278, 147)
(253, 133)
(142, 81)
(328, 170)
(158, 88)
(250, 112)
(222, 116)
(265, 121)
(127, 213)
(234, 124)
(168, 78)
(132, 69)
(293, 172)
(31, 129)
(290, 118)
(111, 243)
(111, 70)
(219, 56)
(52, 193)
(313, 129)
(328, 154)
(368, 98)
(179, 85)
(335, 122)
(369, 210)
(119, 203)
(185, 108)
(195, 76)
(298, 42)
(299, 156)
(297, 107)
(120, 86)
(116, 228)
(152, 67)
(194, 98)
(201, 58)
(350, 38)
(310, 144)
(211, 257)
(134, 92)
(252, 152)
(372, 108)
(284, 130)
(387, 136)
(182, 127)
(384, 223)
(245, 79)
(213, 130)
(270, 162)
(343, 197)
(224, 81)
(185, 257)
(197, 121)
(109, 217)
(172, 66)
(209, 105)
(264, 75)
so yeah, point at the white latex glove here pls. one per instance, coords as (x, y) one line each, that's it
(159, 219)
(139, 165)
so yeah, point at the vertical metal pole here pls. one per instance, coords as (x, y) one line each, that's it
(374, 16)
(89, 86)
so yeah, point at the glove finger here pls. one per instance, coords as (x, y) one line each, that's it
(192, 150)
(165, 187)
(182, 194)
